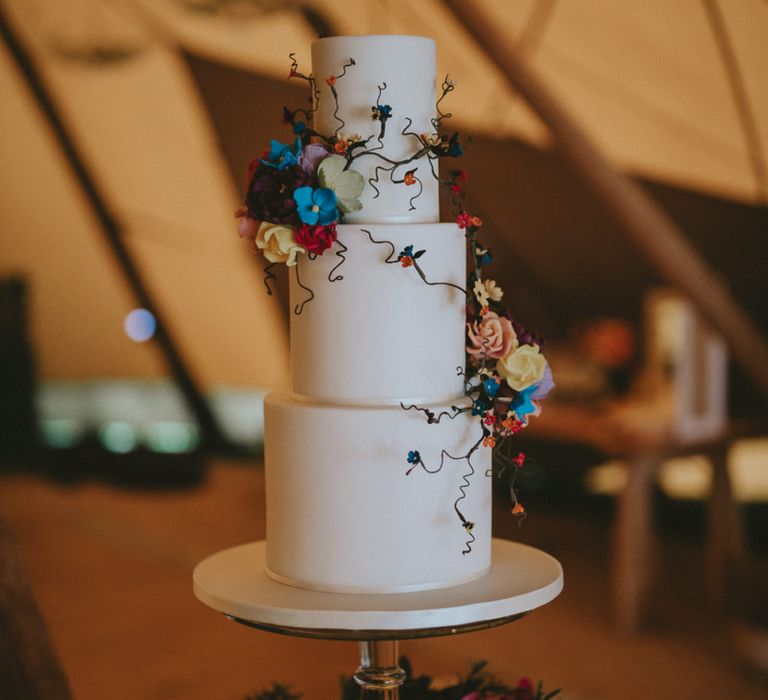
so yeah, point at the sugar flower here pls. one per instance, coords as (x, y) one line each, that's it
(311, 156)
(495, 293)
(247, 228)
(344, 141)
(316, 239)
(278, 243)
(381, 112)
(492, 337)
(522, 367)
(346, 184)
(283, 155)
(316, 206)
(523, 404)
(269, 194)
(481, 293)
(491, 386)
(546, 384)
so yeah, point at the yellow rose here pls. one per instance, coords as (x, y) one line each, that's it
(278, 243)
(522, 367)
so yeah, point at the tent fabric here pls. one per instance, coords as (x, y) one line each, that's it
(142, 129)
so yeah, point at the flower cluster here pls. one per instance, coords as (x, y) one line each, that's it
(506, 373)
(476, 684)
(296, 194)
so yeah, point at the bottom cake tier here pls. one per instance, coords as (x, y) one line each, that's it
(343, 515)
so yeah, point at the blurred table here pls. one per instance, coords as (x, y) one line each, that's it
(630, 433)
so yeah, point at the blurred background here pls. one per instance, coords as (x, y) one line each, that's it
(137, 340)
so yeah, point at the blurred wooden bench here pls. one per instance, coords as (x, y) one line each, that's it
(642, 448)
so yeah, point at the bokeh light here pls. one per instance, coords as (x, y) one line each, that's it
(140, 325)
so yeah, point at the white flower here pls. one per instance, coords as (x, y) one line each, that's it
(493, 290)
(431, 139)
(347, 184)
(481, 293)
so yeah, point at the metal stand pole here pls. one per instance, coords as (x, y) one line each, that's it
(379, 675)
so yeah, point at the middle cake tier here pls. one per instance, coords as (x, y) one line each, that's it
(365, 330)
(345, 515)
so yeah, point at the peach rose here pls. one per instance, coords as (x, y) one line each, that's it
(492, 337)
(522, 367)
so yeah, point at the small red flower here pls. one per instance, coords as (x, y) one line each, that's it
(456, 189)
(293, 73)
(490, 419)
(489, 441)
(519, 460)
(476, 221)
(464, 220)
(410, 178)
(518, 509)
(341, 147)
(331, 80)
(406, 261)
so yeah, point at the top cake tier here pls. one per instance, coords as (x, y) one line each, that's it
(404, 68)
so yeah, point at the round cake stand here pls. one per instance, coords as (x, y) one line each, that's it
(234, 582)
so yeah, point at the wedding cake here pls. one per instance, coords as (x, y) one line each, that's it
(378, 458)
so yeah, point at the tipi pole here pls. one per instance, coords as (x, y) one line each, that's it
(113, 234)
(646, 224)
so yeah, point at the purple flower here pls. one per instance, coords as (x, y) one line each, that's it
(270, 194)
(546, 385)
(311, 156)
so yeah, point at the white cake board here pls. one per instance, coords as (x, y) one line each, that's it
(234, 582)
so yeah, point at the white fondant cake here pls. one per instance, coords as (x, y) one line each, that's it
(343, 513)
(343, 516)
(380, 335)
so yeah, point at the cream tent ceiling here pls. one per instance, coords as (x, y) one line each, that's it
(645, 80)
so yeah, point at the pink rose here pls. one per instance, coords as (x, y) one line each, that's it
(492, 337)
(248, 228)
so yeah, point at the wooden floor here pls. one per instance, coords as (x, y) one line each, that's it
(112, 568)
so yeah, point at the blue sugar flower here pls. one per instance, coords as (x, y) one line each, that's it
(299, 127)
(523, 404)
(316, 206)
(414, 457)
(480, 406)
(381, 112)
(283, 155)
(491, 387)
